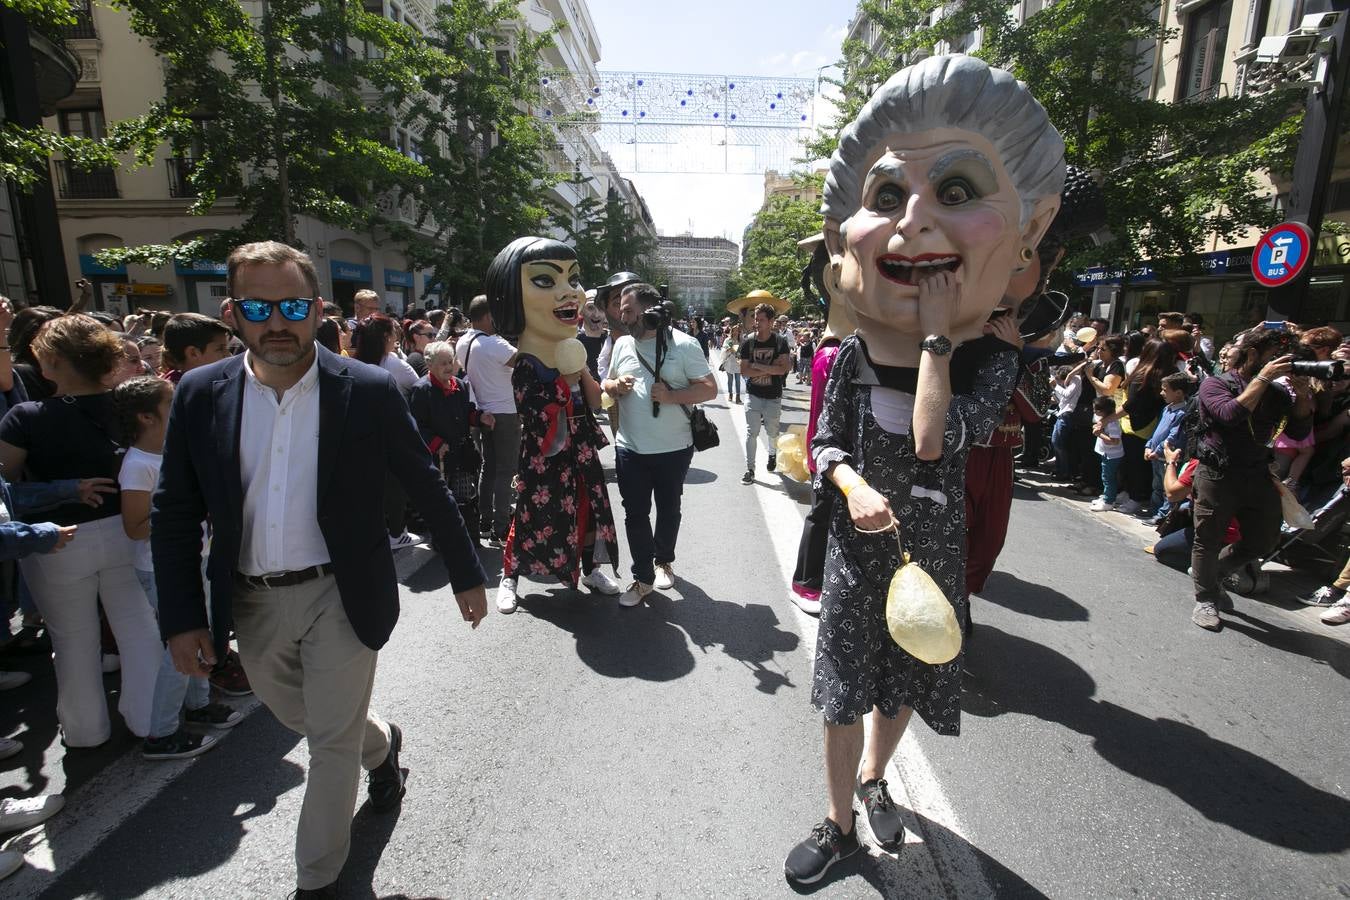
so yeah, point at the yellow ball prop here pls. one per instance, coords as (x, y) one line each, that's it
(792, 457)
(919, 617)
(571, 356)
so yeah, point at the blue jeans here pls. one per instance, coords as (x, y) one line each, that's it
(734, 378)
(1158, 501)
(174, 691)
(642, 477)
(1059, 439)
(1110, 471)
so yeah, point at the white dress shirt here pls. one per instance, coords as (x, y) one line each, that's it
(278, 463)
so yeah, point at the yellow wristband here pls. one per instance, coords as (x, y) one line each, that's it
(848, 488)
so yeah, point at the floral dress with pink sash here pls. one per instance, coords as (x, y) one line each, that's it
(561, 485)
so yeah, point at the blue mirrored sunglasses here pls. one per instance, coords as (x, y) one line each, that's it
(293, 309)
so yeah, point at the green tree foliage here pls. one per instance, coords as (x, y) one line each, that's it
(485, 152)
(1174, 175)
(24, 151)
(770, 259)
(608, 238)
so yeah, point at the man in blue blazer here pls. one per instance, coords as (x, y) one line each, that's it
(262, 445)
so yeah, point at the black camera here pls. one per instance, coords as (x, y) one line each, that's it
(1326, 370)
(658, 316)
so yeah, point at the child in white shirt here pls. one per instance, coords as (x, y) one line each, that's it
(1109, 447)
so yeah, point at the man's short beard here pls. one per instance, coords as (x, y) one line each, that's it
(277, 357)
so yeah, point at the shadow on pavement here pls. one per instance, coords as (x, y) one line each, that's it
(652, 641)
(1222, 782)
(894, 877)
(1012, 593)
(371, 832)
(196, 823)
(699, 476)
(1324, 649)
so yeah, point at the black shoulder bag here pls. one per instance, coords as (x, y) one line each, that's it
(703, 431)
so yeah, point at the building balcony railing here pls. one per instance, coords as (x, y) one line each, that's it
(84, 21)
(180, 176)
(77, 184)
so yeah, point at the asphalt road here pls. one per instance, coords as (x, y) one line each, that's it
(577, 749)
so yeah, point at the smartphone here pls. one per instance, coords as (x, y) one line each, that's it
(1275, 325)
(1000, 312)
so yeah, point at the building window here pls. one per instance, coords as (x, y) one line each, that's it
(1206, 40)
(1280, 16)
(85, 123)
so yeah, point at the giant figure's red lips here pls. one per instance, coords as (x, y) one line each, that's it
(907, 269)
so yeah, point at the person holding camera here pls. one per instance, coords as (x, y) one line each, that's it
(653, 371)
(1241, 411)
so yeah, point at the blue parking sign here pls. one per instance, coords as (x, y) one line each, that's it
(1282, 253)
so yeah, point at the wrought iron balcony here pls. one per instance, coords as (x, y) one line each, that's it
(84, 21)
(180, 176)
(77, 184)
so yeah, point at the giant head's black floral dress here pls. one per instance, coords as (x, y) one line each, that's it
(562, 494)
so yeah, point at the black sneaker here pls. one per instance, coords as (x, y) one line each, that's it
(748, 478)
(773, 462)
(179, 745)
(386, 783)
(882, 814)
(1326, 595)
(215, 715)
(811, 859)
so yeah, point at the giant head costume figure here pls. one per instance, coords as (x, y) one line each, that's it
(534, 290)
(951, 165)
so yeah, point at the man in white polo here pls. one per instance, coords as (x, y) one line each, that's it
(486, 357)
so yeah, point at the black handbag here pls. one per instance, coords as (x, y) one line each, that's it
(701, 428)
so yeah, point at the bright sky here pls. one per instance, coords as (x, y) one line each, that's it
(785, 38)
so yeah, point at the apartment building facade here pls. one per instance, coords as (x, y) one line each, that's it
(698, 268)
(126, 207)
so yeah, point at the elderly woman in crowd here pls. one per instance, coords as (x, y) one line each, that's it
(77, 435)
(444, 414)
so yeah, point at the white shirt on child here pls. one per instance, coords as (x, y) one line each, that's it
(140, 472)
(1111, 429)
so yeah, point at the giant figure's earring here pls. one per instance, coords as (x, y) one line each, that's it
(1028, 255)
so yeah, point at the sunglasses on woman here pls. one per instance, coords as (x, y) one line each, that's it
(293, 309)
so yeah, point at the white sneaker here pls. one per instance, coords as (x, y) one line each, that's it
(1338, 613)
(1099, 505)
(808, 605)
(1129, 506)
(665, 577)
(111, 663)
(601, 583)
(636, 593)
(11, 861)
(16, 815)
(9, 680)
(10, 747)
(506, 596)
(405, 540)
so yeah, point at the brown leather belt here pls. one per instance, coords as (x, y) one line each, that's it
(285, 579)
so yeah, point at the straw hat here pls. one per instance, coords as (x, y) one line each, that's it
(755, 298)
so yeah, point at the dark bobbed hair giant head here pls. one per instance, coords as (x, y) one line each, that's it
(502, 284)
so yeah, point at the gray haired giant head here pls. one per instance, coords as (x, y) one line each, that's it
(951, 92)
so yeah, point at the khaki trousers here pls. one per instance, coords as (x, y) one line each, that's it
(306, 664)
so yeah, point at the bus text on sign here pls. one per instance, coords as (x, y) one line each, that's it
(1282, 253)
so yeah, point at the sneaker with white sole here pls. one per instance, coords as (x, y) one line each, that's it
(179, 745)
(17, 815)
(506, 596)
(1326, 595)
(11, 680)
(808, 862)
(405, 540)
(806, 603)
(665, 577)
(1338, 613)
(214, 715)
(10, 747)
(1099, 505)
(11, 861)
(601, 583)
(1206, 615)
(635, 594)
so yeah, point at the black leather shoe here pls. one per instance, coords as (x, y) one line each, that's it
(386, 782)
(327, 892)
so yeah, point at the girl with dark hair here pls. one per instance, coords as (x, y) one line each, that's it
(1139, 416)
(143, 404)
(562, 509)
(329, 336)
(21, 333)
(373, 342)
(417, 333)
(79, 435)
